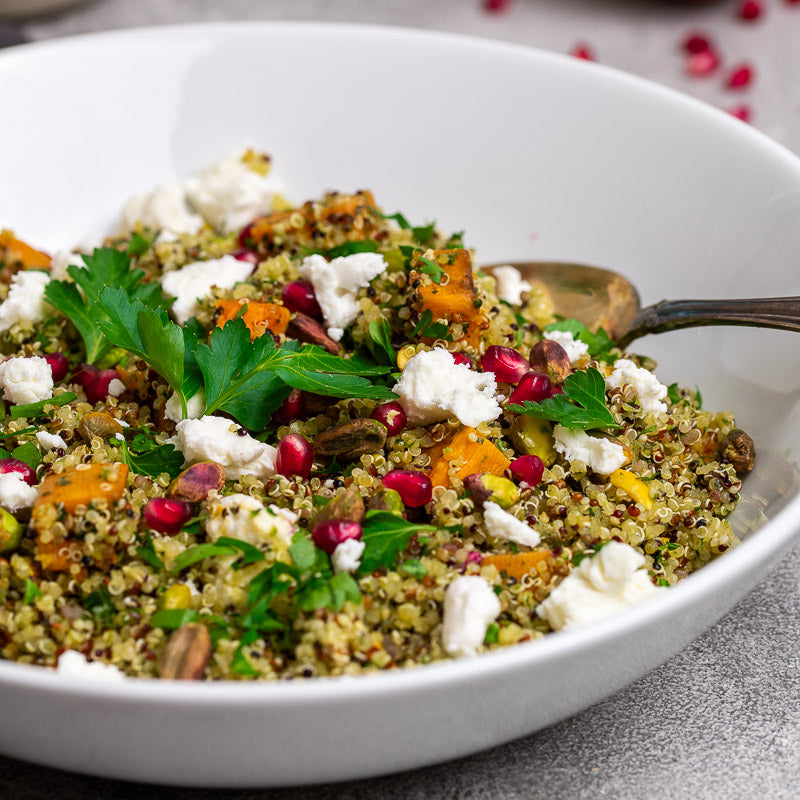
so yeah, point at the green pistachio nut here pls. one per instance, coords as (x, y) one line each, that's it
(387, 500)
(10, 532)
(484, 487)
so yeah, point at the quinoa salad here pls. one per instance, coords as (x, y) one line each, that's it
(245, 439)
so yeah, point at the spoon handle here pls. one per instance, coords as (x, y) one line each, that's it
(669, 315)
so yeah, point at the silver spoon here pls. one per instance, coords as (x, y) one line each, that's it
(601, 298)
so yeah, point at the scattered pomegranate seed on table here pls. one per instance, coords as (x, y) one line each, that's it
(696, 42)
(740, 76)
(702, 64)
(750, 9)
(741, 112)
(583, 51)
(496, 5)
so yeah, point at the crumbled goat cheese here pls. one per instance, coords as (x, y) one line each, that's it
(218, 439)
(346, 557)
(50, 441)
(433, 387)
(115, 387)
(502, 525)
(15, 493)
(60, 261)
(73, 664)
(195, 406)
(600, 455)
(650, 391)
(26, 380)
(510, 284)
(614, 579)
(25, 301)
(241, 516)
(194, 281)
(229, 194)
(470, 605)
(163, 208)
(573, 347)
(337, 283)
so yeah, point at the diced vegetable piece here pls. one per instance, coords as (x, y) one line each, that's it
(53, 555)
(179, 595)
(259, 317)
(17, 250)
(82, 484)
(634, 487)
(477, 454)
(534, 437)
(516, 565)
(265, 228)
(455, 297)
(347, 205)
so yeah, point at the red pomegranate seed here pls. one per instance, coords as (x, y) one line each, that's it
(245, 237)
(496, 5)
(15, 465)
(582, 51)
(508, 365)
(392, 415)
(83, 375)
(101, 385)
(59, 366)
(702, 64)
(328, 535)
(527, 469)
(246, 255)
(741, 112)
(740, 76)
(415, 488)
(166, 515)
(295, 456)
(535, 386)
(462, 358)
(557, 389)
(474, 557)
(294, 407)
(299, 296)
(696, 42)
(750, 9)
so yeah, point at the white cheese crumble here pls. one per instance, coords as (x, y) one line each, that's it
(60, 261)
(433, 387)
(72, 664)
(337, 283)
(470, 605)
(218, 439)
(614, 579)
(573, 347)
(50, 441)
(650, 391)
(502, 525)
(241, 516)
(195, 406)
(25, 301)
(26, 380)
(346, 557)
(163, 208)
(195, 281)
(598, 454)
(510, 284)
(15, 492)
(115, 387)
(230, 194)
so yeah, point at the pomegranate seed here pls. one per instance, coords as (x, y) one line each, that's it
(100, 386)
(462, 358)
(741, 112)
(294, 407)
(59, 366)
(535, 386)
(299, 296)
(583, 51)
(15, 465)
(392, 415)
(750, 9)
(245, 237)
(527, 469)
(495, 6)
(700, 65)
(740, 76)
(165, 515)
(329, 535)
(83, 375)
(474, 557)
(508, 365)
(415, 488)
(295, 456)
(696, 42)
(557, 389)
(246, 255)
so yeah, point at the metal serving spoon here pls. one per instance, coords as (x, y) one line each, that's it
(602, 298)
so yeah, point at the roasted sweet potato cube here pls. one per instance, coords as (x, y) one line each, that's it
(259, 317)
(477, 453)
(82, 484)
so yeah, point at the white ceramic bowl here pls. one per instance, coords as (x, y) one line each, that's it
(536, 156)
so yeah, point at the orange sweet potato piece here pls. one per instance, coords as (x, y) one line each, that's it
(455, 298)
(259, 317)
(264, 228)
(480, 455)
(82, 484)
(53, 556)
(347, 205)
(17, 250)
(517, 564)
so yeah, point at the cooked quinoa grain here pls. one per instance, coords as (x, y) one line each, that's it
(217, 548)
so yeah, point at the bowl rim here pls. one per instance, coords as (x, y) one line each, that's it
(771, 540)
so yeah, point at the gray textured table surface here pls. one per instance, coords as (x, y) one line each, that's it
(720, 720)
